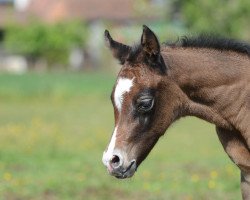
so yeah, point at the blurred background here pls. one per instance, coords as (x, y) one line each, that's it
(55, 115)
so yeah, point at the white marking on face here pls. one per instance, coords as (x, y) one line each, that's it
(107, 156)
(123, 85)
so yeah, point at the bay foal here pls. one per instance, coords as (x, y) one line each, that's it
(204, 77)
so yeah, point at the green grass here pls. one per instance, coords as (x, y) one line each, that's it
(54, 128)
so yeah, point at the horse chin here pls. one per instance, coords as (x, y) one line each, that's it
(127, 173)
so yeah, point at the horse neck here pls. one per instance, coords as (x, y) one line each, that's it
(211, 80)
(199, 68)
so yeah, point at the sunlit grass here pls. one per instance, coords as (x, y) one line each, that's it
(54, 128)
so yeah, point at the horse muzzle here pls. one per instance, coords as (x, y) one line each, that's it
(119, 168)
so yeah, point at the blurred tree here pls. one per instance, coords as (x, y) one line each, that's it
(42, 41)
(224, 17)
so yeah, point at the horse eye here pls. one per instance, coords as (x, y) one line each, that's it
(145, 105)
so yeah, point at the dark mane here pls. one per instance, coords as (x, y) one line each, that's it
(212, 42)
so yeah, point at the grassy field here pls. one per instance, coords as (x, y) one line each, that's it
(54, 128)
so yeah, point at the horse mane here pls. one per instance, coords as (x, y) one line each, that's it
(212, 42)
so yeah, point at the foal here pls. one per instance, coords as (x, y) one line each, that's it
(204, 77)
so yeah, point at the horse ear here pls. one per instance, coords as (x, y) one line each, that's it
(149, 41)
(151, 47)
(120, 51)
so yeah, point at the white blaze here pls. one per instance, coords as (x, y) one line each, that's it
(107, 156)
(123, 86)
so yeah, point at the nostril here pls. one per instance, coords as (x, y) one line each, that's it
(115, 161)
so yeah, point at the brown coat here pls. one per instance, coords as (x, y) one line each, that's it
(206, 77)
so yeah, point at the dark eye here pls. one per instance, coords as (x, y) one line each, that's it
(145, 105)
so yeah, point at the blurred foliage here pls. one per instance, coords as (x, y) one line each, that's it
(52, 42)
(227, 18)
